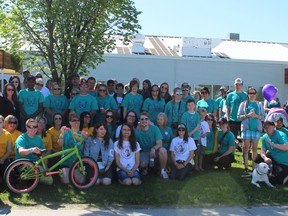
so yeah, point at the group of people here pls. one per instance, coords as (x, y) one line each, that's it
(130, 132)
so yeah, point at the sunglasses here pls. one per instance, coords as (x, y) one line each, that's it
(12, 122)
(209, 119)
(75, 120)
(178, 93)
(32, 127)
(109, 116)
(204, 92)
(57, 88)
(102, 90)
(15, 81)
(10, 90)
(144, 119)
(58, 118)
(252, 93)
(181, 130)
(185, 89)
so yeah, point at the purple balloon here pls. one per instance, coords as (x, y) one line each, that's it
(269, 92)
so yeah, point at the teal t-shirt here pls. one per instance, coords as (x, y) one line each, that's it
(278, 137)
(167, 135)
(252, 107)
(27, 142)
(30, 100)
(218, 100)
(210, 105)
(105, 103)
(233, 101)
(69, 142)
(111, 131)
(133, 102)
(57, 104)
(210, 141)
(147, 139)
(174, 112)
(191, 120)
(184, 100)
(153, 107)
(82, 103)
(229, 140)
(284, 130)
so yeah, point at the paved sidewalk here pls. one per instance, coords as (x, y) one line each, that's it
(70, 211)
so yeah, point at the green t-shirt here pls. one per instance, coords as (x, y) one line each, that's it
(30, 100)
(184, 100)
(105, 103)
(167, 135)
(27, 142)
(233, 101)
(82, 103)
(153, 107)
(133, 102)
(278, 137)
(252, 107)
(210, 105)
(284, 130)
(191, 120)
(174, 112)
(147, 139)
(210, 141)
(229, 140)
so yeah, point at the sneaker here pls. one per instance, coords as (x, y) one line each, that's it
(164, 175)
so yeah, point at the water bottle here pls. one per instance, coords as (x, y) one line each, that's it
(151, 162)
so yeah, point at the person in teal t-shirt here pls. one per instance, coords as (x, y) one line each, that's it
(207, 103)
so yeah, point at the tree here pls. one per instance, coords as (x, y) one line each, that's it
(66, 37)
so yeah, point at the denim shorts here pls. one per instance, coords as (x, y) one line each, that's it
(123, 175)
(250, 135)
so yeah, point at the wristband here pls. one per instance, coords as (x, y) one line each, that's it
(30, 150)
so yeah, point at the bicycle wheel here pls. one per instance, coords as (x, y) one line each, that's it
(86, 179)
(14, 176)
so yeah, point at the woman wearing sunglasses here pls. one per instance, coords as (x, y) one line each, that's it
(164, 92)
(86, 122)
(15, 80)
(55, 103)
(10, 125)
(110, 121)
(182, 153)
(251, 113)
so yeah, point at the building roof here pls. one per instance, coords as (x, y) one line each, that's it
(203, 47)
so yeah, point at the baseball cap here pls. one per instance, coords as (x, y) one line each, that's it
(223, 88)
(238, 81)
(181, 126)
(223, 121)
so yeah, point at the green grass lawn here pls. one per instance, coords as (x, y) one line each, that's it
(208, 188)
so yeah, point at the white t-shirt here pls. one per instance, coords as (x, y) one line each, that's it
(204, 128)
(181, 148)
(126, 156)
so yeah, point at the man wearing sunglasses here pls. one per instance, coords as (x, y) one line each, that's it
(29, 144)
(186, 88)
(150, 140)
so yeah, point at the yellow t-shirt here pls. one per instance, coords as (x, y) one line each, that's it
(89, 131)
(5, 138)
(54, 137)
(14, 136)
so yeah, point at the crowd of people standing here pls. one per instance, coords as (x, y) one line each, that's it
(130, 132)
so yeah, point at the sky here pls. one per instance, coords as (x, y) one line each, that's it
(254, 20)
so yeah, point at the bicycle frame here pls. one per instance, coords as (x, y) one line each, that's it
(30, 174)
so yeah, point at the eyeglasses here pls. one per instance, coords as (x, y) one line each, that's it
(178, 93)
(15, 81)
(57, 88)
(131, 116)
(252, 93)
(181, 130)
(102, 90)
(75, 120)
(12, 122)
(204, 92)
(185, 89)
(144, 119)
(32, 127)
(109, 116)
(208, 119)
(164, 87)
(10, 89)
(39, 84)
(58, 118)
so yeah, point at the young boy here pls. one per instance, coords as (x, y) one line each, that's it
(192, 120)
(204, 131)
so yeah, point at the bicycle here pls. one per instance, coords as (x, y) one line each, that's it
(23, 175)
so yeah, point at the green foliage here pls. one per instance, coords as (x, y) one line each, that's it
(68, 36)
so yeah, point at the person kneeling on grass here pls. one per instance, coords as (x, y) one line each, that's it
(226, 140)
(127, 156)
(274, 152)
(182, 152)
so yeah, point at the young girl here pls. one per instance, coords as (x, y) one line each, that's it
(202, 144)
(127, 156)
